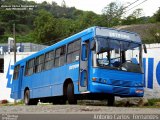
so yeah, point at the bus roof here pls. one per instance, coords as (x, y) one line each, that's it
(117, 34)
(95, 30)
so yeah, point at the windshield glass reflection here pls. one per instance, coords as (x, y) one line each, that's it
(120, 55)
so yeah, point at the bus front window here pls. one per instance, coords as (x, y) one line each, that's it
(120, 55)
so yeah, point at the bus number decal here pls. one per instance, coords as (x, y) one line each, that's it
(73, 66)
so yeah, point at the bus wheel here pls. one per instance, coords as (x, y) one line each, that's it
(27, 99)
(70, 94)
(111, 100)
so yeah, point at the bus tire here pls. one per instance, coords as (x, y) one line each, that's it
(27, 100)
(70, 94)
(27, 97)
(111, 100)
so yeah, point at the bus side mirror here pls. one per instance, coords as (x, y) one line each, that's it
(145, 48)
(93, 45)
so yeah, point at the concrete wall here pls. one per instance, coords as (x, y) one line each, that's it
(152, 71)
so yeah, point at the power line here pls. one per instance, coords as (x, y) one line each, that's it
(130, 4)
(136, 6)
(50, 42)
(125, 8)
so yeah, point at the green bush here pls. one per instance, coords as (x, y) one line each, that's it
(152, 102)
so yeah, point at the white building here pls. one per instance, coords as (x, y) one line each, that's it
(8, 72)
(7, 61)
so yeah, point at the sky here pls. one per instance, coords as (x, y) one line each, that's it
(149, 7)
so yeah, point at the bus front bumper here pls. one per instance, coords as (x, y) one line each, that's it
(117, 90)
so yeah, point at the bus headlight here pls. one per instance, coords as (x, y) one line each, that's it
(139, 91)
(100, 80)
(94, 79)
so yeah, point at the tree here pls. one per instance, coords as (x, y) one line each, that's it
(64, 28)
(44, 27)
(135, 17)
(2, 30)
(89, 19)
(137, 13)
(113, 13)
(157, 15)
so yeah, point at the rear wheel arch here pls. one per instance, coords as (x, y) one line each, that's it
(27, 88)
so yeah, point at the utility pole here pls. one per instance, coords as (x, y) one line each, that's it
(14, 36)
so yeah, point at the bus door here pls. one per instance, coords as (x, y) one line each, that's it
(83, 75)
(20, 81)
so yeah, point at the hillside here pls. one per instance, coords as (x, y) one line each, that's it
(47, 23)
(25, 19)
(150, 33)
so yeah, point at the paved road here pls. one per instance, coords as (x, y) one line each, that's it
(77, 112)
(76, 109)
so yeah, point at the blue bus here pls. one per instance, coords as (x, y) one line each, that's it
(97, 63)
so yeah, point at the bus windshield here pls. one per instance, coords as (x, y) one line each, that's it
(120, 55)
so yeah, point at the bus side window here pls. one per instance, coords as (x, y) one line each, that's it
(16, 72)
(73, 51)
(84, 52)
(83, 82)
(49, 60)
(39, 63)
(30, 67)
(60, 56)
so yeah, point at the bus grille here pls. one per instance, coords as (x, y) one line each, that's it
(121, 83)
(118, 90)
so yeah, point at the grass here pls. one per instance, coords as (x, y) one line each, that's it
(13, 104)
(154, 102)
